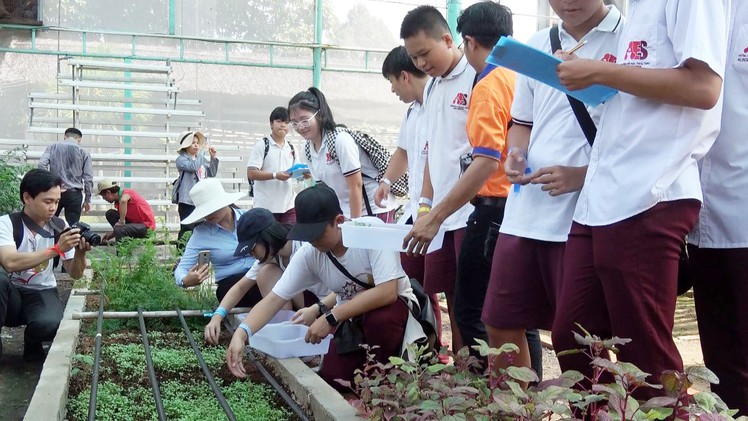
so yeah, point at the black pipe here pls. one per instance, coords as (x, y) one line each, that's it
(270, 379)
(97, 357)
(149, 365)
(283, 394)
(206, 370)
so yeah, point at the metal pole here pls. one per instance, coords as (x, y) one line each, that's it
(78, 315)
(544, 9)
(97, 359)
(317, 66)
(453, 12)
(172, 17)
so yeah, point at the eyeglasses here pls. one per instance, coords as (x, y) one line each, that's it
(303, 124)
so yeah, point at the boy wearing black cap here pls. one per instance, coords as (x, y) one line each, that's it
(373, 295)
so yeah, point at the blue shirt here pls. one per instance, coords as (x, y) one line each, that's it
(221, 244)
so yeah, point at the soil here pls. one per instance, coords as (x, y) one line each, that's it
(18, 378)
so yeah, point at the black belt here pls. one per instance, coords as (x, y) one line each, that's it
(493, 201)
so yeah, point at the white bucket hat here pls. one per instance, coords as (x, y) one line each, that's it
(209, 196)
(185, 139)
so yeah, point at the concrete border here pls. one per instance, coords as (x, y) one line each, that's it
(51, 394)
(311, 392)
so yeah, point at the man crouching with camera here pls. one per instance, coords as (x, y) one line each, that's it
(29, 241)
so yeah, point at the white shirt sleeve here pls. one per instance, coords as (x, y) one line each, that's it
(6, 232)
(299, 275)
(257, 155)
(524, 98)
(698, 30)
(385, 266)
(347, 151)
(253, 271)
(402, 135)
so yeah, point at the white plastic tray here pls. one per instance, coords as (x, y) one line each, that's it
(286, 340)
(366, 233)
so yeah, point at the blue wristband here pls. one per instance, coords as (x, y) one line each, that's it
(222, 312)
(246, 329)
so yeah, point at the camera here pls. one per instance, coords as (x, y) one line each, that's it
(85, 231)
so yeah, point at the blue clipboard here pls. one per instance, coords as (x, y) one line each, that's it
(541, 66)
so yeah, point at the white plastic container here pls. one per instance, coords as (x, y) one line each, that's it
(286, 340)
(372, 233)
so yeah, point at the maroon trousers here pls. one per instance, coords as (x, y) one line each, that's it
(414, 267)
(620, 280)
(384, 327)
(720, 278)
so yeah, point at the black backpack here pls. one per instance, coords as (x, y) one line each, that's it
(267, 149)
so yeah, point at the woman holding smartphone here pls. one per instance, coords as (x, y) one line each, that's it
(214, 239)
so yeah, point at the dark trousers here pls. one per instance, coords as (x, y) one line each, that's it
(250, 299)
(621, 280)
(384, 327)
(473, 274)
(720, 285)
(130, 229)
(72, 201)
(40, 310)
(184, 211)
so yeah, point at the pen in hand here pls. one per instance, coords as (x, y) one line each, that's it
(577, 47)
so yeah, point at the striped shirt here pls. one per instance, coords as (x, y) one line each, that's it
(72, 164)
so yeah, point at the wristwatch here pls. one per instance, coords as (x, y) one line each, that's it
(386, 181)
(322, 308)
(331, 319)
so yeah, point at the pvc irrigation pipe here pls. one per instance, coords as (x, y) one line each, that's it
(81, 315)
(97, 358)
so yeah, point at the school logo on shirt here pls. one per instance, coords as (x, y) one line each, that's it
(328, 159)
(637, 51)
(743, 57)
(460, 102)
(610, 58)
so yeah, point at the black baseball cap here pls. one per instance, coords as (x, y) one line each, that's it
(315, 208)
(250, 225)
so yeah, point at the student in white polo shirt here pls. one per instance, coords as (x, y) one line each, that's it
(719, 244)
(267, 165)
(641, 193)
(409, 84)
(429, 43)
(546, 137)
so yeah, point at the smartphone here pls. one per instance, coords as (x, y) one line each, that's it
(203, 257)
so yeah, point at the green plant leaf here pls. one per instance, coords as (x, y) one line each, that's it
(659, 402)
(522, 374)
(431, 406)
(706, 401)
(674, 384)
(435, 368)
(396, 361)
(658, 413)
(701, 373)
(516, 389)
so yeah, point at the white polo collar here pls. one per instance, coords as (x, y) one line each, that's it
(458, 70)
(610, 23)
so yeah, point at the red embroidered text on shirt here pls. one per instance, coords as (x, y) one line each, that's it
(637, 51)
(460, 99)
(610, 58)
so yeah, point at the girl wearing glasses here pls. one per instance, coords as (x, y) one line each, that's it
(353, 176)
(261, 237)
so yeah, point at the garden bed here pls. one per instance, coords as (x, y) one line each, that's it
(125, 392)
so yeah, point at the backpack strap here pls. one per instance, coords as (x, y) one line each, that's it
(16, 220)
(267, 147)
(579, 109)
(345, 272)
